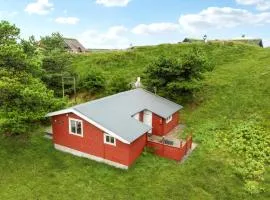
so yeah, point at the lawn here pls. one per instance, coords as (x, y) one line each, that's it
(34, 170)
(237, 90)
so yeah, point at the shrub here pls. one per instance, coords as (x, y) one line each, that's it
(118, 84)
(177, 79)
(253, 187)
(93, 81)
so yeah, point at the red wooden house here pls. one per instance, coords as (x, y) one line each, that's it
(114, 129)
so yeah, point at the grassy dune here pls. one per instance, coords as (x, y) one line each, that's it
(132, 63)
(237, 90)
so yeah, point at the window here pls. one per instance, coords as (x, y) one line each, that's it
(168, 119)
(75, 127)
(109, 139)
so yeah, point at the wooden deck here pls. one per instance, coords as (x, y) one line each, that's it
(176, 132)
(170, 139)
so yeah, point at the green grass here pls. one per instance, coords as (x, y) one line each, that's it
(34, 170)
(132, 63)
(238, 89)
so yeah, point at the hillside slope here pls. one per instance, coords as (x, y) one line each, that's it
(237, 91)
(131, 63)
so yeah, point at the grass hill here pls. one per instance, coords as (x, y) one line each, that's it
(131, 63)
(235, 93)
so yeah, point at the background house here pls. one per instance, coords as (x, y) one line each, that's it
(257, 42)
(73, 45)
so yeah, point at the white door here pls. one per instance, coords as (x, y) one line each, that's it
(147, 118)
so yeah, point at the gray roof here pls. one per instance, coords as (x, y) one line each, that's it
(74, 45)
(115, 112)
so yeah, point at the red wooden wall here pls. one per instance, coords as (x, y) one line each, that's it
(160, 127)
(92, 141)
(136, 148)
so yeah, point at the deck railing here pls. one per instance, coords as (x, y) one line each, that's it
(170, 148)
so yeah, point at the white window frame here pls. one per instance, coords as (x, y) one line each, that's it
(76, 120)
(107, 135)
(168, 119)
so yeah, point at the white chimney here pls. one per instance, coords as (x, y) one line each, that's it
(138, 82)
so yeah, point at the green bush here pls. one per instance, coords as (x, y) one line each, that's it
(179, 78)
(118, 84)
(93, 81)
(253, 187)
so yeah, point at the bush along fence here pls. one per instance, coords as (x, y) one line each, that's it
(170, 148)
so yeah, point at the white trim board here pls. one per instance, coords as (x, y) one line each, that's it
(89, 156)
(71, 110)
(60, 112)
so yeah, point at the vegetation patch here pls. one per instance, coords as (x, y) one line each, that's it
(249, 145)
(25, 99)
(178, 78)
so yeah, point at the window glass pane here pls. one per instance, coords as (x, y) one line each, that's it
(79, 128)
(112, 140)
(73, 126)
(107, 138)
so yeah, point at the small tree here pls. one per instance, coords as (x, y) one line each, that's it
(9, 34)
(56, 62)
(30, 46)
(14, 55)
(53, 42)
(24, 99)
(177, 78)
